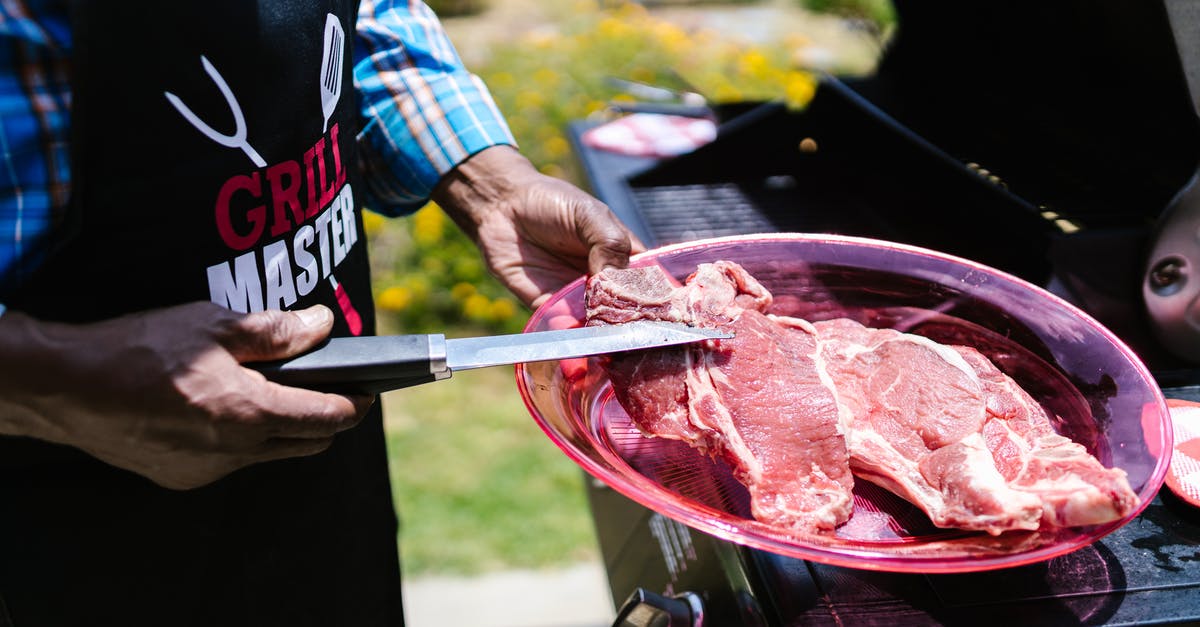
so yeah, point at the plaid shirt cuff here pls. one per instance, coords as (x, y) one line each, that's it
(413, 138)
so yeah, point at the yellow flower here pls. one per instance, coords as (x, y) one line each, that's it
(613, 28)
(673, 38)
(462, 291)
(642, 75)
(753, 63)
(476, 307)
(502, 309)
(727, 93)
(394, 298)
(556, 147)
(530, 99)
(373, 223)
(501, 80)
(433, 266)
(428, 225)
(545, 77)
(799, 88)
(418, 286)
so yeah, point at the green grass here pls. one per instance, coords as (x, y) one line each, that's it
(477, 483)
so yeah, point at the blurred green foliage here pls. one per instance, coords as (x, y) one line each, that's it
(549, 78)
(880, 13)
(456, 8)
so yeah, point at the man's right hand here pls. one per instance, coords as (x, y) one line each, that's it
(163, 393)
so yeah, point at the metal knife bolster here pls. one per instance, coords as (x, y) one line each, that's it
(437, 356)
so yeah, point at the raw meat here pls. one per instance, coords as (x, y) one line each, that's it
(795, 407)
(944, 428)
(1075, 488)
(756, 401)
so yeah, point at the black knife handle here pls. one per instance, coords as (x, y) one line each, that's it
(362, 365)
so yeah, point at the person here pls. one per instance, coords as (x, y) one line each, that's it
(182, 195)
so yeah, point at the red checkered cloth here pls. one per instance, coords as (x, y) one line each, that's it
(1183, 478)
(651, 135)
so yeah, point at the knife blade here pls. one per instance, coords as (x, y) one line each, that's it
(374, 364)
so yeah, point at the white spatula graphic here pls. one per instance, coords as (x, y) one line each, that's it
(331, 67)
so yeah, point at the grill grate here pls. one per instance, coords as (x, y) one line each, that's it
(680, 213)
(677, 213)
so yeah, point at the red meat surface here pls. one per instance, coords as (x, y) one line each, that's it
(799, 408)
(756, 400)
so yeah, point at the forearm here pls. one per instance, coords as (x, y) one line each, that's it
(32, 369)
(488, 181)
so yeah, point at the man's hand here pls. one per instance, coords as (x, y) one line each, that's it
(162, 393)
(537, 233)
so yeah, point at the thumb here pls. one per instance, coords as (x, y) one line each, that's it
(613, 253)
(609, 243)
(273, 334)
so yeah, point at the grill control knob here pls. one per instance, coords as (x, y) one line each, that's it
(1171, 282)
(647, 609)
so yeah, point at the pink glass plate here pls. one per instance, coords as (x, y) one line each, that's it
(1101, 394)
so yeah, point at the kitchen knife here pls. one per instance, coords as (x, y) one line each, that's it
(369, 365)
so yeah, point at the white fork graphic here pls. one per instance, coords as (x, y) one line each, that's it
(238, 139)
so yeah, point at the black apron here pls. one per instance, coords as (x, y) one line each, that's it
(213, 150)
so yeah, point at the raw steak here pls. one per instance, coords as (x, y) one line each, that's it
(756, 401)
(794, 406)
(1075, 488)
(942, 427)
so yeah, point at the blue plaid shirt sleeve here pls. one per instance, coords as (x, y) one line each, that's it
(423, 112)
(34, 108)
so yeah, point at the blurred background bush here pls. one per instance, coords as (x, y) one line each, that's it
(456, 8)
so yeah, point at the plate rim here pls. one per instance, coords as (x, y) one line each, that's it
(851, 557)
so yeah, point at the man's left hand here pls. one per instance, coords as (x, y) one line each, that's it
(536, 232)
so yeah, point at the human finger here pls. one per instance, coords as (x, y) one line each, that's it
(290, 412)
(286, 448)
(610, 243)
(273, 334)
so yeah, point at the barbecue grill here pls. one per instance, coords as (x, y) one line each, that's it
(1001, 147)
